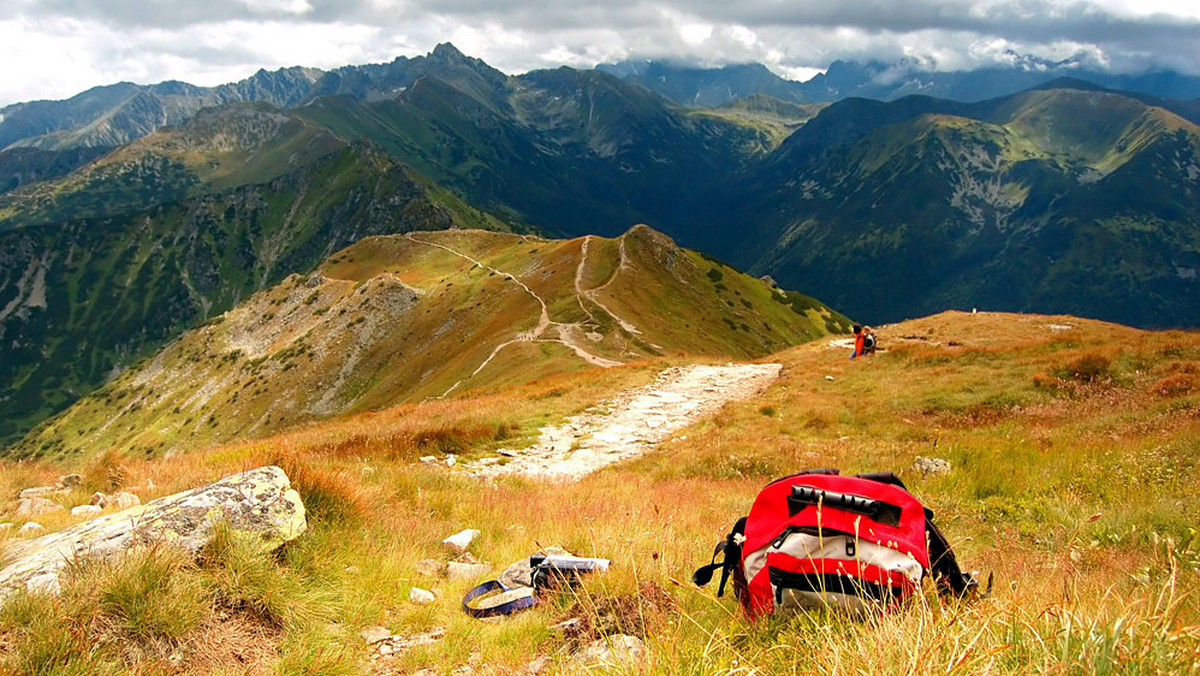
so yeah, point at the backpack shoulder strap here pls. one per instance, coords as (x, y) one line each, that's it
(942, 562)
(944, 565)
(731, 548)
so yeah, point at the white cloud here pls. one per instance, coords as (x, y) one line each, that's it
(56, 48)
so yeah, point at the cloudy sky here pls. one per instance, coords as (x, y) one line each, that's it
(56, 48)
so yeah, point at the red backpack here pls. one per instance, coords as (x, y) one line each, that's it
(819, 539)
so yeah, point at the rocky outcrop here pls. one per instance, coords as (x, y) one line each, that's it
(260, 502)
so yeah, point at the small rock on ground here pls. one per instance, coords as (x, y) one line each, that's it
(32, 528)
(70, 480)
(931, 466)
(37, 492)
(467, 571)
(122, 500)
(611, 651)
(30, 507)
(85, 510)
(430, 568)
(373, 635)
(538, 665)
(420, 596)
(460, 541)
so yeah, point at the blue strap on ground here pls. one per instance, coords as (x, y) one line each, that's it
(492, 611)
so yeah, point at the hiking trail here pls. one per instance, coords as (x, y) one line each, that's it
(631, 423)
(566, 334)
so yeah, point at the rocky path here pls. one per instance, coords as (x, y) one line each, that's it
(630, 423)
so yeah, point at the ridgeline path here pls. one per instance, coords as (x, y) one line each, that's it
(565, 330)
(631, 423)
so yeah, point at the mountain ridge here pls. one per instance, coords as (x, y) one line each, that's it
(400, 319)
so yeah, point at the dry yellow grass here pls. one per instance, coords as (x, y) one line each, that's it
(1078, 493)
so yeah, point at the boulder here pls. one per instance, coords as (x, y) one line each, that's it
(260, 502)
(86, 510)
(460, 541)
(31, 507)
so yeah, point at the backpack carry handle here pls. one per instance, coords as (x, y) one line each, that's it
(803, 496)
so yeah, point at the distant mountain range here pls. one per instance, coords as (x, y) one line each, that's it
(111, 115)
(1068, 197)
(708, 87)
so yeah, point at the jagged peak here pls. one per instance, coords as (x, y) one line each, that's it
(446, 51)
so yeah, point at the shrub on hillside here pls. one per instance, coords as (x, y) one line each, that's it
(108, 472)
(1089, 367)
(328, 495)
(1175, 385)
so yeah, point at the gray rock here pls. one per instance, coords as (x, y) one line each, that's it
(122, 500)
(31, 507)
(260, 502)
(31, 528)
(931, 466)
(520, 574)
(70, 480)
(611, 651)
(37, 492)
(373, 635)
(460, 541)
(466, 571)
(430, 568)
(85, 510)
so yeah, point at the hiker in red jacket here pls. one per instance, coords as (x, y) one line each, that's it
(858, 341)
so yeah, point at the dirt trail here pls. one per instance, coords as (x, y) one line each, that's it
(590, 294)
(631, 423)
(566, 334)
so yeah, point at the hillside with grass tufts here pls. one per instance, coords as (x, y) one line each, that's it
(1072, 447)
(428, 315)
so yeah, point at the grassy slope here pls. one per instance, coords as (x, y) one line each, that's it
(395, 319)
(1077, 493)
